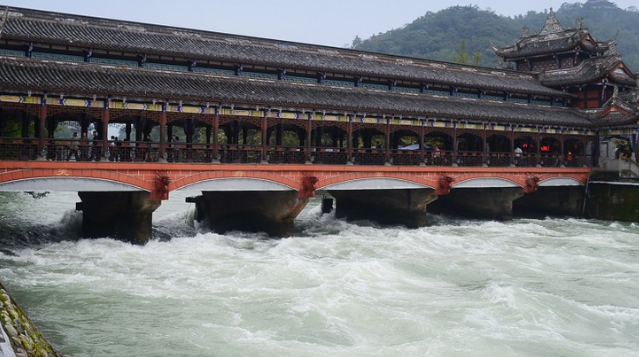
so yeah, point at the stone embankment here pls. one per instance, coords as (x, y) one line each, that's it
(18, 335)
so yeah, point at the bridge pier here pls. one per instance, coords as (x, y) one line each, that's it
(272, 212)
(551, 201)
(480, 203)
(122, 215)
(405, 207)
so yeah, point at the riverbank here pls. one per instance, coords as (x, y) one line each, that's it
(19, 336)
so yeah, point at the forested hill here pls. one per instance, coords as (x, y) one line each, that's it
(469, 30)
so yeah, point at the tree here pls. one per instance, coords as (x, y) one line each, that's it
(462, 55)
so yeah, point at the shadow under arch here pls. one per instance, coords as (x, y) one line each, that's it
(237, 184)
(377, 183)
(68, 184)
(486, 182)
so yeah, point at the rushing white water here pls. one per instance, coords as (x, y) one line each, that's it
(553, 287)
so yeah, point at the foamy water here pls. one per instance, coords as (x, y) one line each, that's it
(553, 287)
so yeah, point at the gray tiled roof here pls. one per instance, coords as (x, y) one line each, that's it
(89, 79)
(590, 70)
(552, 39)
(94, 33)
(565, 41)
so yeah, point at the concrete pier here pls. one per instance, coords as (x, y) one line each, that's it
(484, 203)
(405, 207)
(125, 216)
(551, 201)
(272, 212)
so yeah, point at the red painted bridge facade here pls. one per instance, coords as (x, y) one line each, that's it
(161, 179)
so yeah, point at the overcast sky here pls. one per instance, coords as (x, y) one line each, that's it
(322, 22)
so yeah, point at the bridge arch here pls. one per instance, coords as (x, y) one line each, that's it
(68, 184)
(374, 183)
(237, 184)
(241, 180)
(560, 181)
(486, 182)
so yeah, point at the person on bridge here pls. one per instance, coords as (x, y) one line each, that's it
(176, 148)
(73, 147)
(518, 153)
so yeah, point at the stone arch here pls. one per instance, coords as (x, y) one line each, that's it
(69, 184)
(560, 181)
(486, 182)
(267, 179)
(375, 183)
(237, 184)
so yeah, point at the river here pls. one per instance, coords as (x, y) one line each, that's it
(551, 287)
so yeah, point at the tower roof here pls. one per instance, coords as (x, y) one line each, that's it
(552, 25)
(554, 39)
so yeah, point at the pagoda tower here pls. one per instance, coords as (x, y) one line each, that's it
(572, 60)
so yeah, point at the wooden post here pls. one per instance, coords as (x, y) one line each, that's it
(105, 130)
(42, 117)
(388, 143)
(216, 131)
(422, 149)
(163, 141)
(309, 129)
(454, 163)
(264, 138)
(349, 141)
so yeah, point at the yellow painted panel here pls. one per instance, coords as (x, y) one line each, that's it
(117, 105)
(11, 98)
(331, 117)
(439, 124)
(32, 100)
(244, 113)
(286, 115)
(499, 127)
(154, 107)
(135, 106)
(370, 120)
(75, 102)
(191, 110)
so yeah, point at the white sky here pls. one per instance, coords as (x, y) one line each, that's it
(322, 22)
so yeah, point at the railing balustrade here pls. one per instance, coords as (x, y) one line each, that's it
(25, 149)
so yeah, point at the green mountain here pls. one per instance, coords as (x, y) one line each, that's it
(465, 33)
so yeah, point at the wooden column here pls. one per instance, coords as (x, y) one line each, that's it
(309, 129)
(216, 132)
(264, 138)
(485, 153)
(512, 145)
(163, 131)
(422, 149)
(388, 143)
(454, 163)
(562, 154)
(349, 141)
(42, 117)
(105, 117)
(538, 149)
